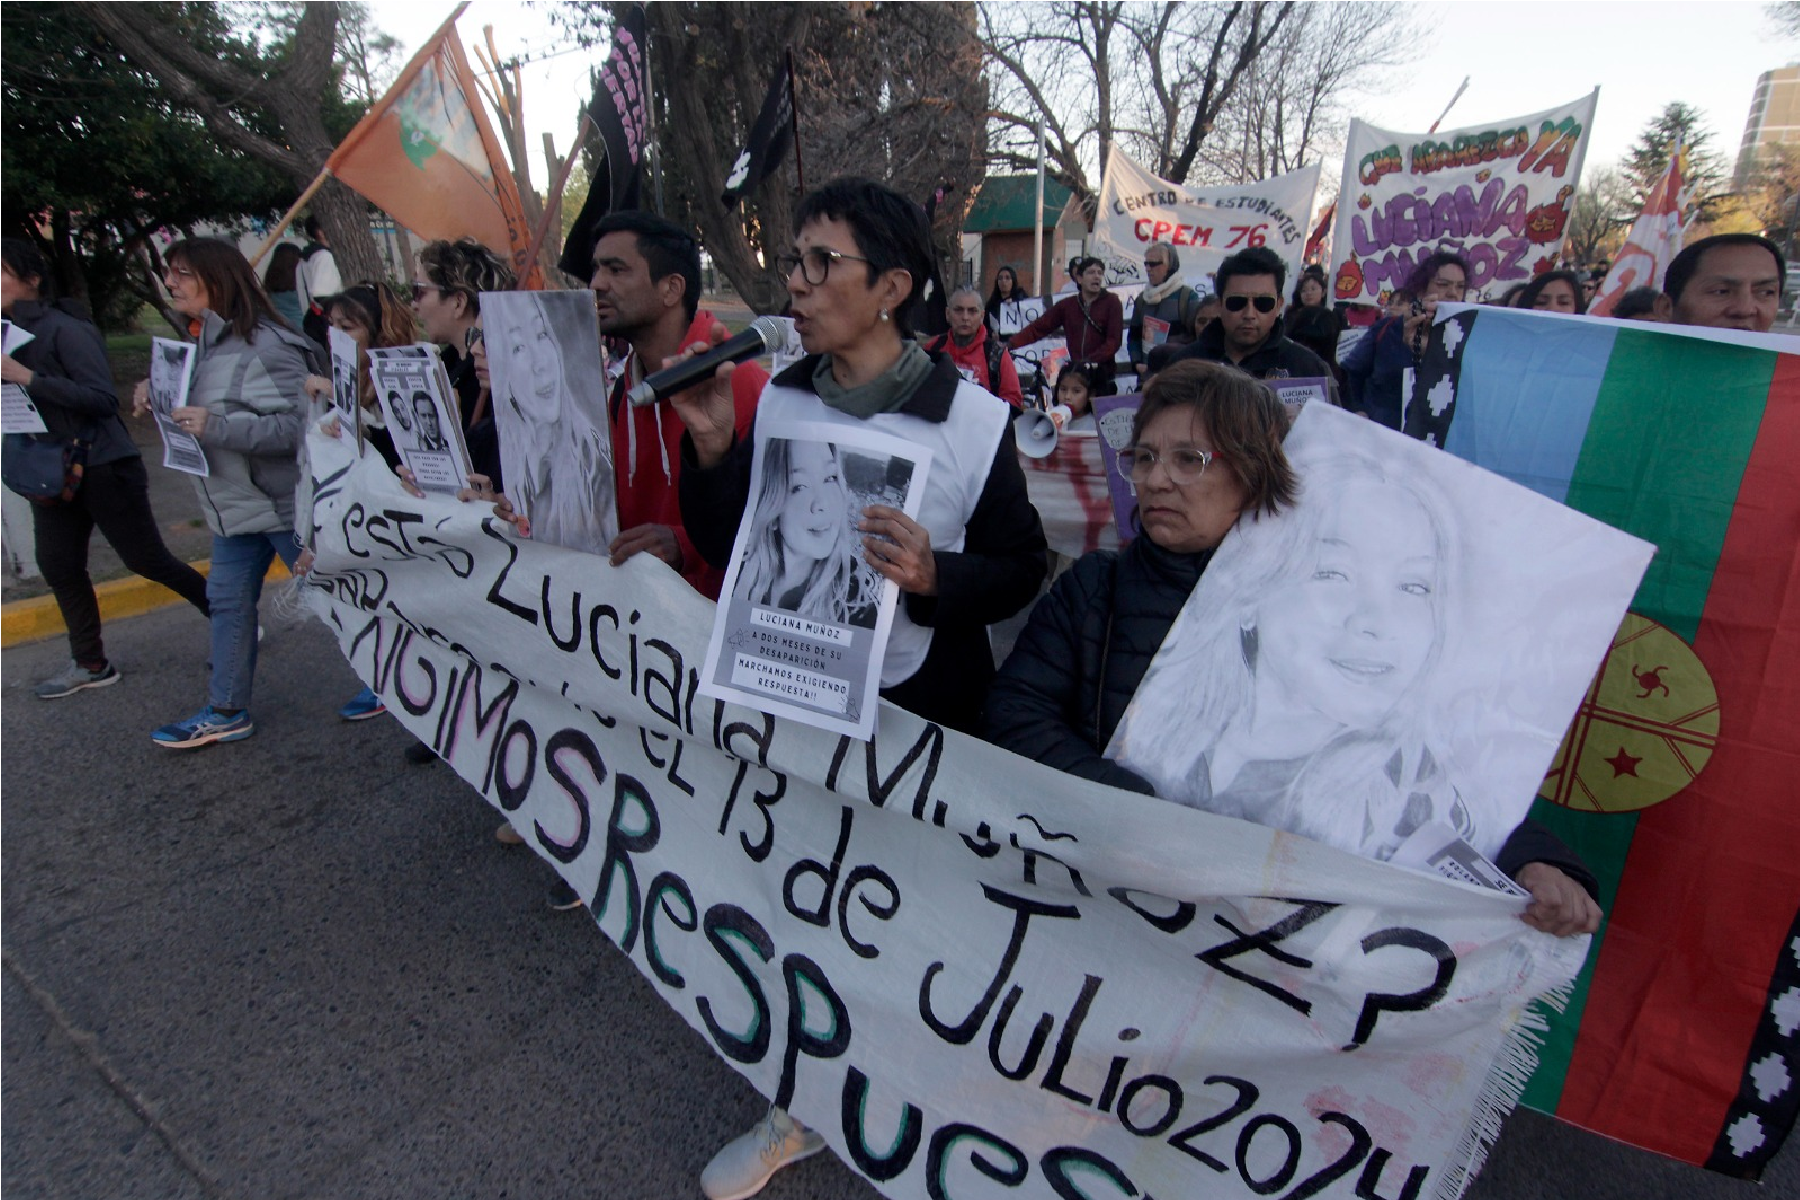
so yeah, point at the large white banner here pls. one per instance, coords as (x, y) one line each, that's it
(972, 974)
(1204, 224)
(1500, 193)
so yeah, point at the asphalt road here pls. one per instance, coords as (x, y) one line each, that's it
(296, 966)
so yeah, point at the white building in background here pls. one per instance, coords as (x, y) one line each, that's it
(1774, 118)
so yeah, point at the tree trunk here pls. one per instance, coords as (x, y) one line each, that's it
(345, 216)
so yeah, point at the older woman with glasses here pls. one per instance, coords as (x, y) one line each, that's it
(975, 555)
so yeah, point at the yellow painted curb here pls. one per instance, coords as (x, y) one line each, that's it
(38, 618)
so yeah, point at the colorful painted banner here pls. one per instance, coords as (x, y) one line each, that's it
(1204, 224)
(964, 969)
(1676, 781)
(1654, 241)
(426, 154)
(1500, 193)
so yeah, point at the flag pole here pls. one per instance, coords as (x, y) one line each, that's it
(1459, 91)
(553, 204)
(794, 121)
(1037, 226)
(312, 189)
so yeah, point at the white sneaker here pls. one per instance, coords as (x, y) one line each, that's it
(747, 1163)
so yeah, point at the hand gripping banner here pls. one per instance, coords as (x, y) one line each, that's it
(962, 968)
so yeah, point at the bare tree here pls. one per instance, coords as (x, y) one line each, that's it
(1604, 209)
(893, 92)
(1290, 108)
(1154, 77)
(293, 87)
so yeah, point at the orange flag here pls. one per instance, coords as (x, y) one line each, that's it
(426, 154)
(1654, 241)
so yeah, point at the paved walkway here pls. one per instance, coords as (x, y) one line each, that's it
(298, 967)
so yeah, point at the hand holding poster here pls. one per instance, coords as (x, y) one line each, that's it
(1406, 643)
(171, 371)
(1500, 194)
(418, 405)
(1205, 225)
(549, 397)
(804, 620)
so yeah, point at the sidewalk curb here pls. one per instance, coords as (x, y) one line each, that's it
(33, 620)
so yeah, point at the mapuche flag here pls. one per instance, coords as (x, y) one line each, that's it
(769, 138)
(426, 155)
(620, 111)
(1676, 782)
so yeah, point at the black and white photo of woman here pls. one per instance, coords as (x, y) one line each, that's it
(804, 556)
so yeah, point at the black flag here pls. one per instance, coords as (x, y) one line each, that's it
(769, 138)
(620, 112)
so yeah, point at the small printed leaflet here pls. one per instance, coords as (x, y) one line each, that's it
(419, 406)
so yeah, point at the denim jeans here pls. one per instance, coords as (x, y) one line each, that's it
(232, 589)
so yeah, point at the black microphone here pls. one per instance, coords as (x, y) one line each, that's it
(764, 335)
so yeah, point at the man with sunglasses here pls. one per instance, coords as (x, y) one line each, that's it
(1248, 332)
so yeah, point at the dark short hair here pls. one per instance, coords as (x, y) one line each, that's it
(1638, 302)
(467, 268)
(1082, 262)
(232, 288)
(1687, 264)
(1534, 289)
(1243, 417)
(311, 227)
(890, 231)
(26, 262)
(1257, 260)
(668, 249)
(1430, 265)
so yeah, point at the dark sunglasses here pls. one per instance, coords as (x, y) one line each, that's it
(1264, 304)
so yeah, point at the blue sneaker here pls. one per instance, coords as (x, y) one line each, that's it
(362, 706)
(204, 727)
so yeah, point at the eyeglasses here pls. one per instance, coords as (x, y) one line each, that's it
(472, 337)
(1264, 304)
(1184, 465)
(177, 272)
(814, 263)
(416, 291)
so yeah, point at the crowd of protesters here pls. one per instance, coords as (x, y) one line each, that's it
(1205, 448)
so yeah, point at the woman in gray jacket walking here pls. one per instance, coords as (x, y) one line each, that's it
(246, 406)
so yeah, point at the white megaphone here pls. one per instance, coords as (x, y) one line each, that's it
(1036, 429)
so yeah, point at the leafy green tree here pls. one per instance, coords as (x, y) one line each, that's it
(1649, 157)
(96, 162)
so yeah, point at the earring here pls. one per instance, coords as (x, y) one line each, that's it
(884, 314)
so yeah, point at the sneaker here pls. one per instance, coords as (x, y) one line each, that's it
(506, 835)
(562, 898)
(420, 755)
(362, 706)
(204, 727)
(73, 678)
(747, 1163)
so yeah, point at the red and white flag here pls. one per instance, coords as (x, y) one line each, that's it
(1655, 239)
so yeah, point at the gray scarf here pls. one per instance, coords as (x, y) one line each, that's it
(884, 393)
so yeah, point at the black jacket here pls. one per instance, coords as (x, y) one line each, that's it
(1088, 646)
(72, 382)
(996, 574)
(1279, 357)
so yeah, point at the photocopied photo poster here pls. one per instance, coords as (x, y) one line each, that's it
(1394, 657)
(171, 371)
(344, 357)
(803, 620)
(420, 410)
(18, 412)
(550, 405)
(1114, 416)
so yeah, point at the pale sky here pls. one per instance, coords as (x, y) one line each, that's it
(1521, 56)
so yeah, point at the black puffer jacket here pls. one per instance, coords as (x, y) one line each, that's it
(1082, 655)
(1087, 647)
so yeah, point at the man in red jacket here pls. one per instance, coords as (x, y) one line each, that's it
(646, 283)
(980, 357)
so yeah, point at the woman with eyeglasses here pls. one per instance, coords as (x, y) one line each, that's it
(974, 556)
(1091, 322)
(1206, 452)
(246, 407)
